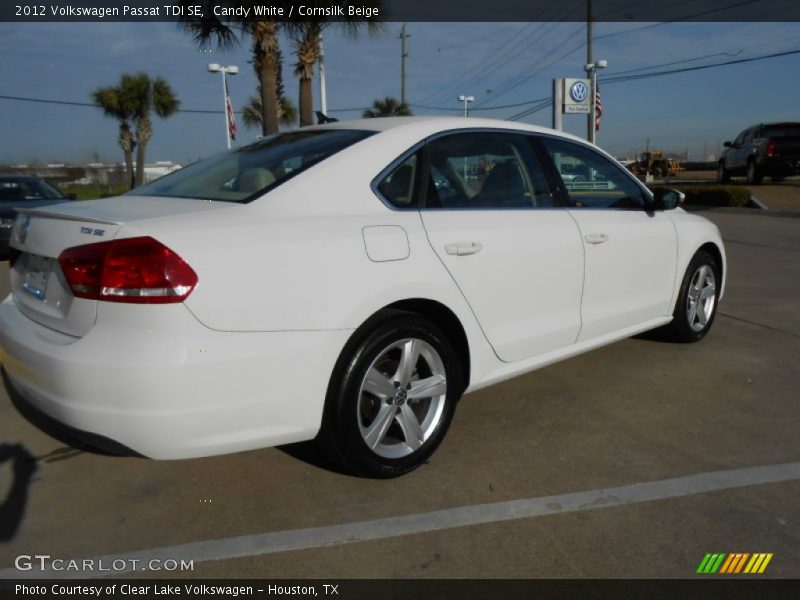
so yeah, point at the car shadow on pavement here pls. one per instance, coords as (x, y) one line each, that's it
(12, 509)
(311, 454)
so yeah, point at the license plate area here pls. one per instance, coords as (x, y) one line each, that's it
(36, 275)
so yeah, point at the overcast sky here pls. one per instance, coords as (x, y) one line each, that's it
(497, 63)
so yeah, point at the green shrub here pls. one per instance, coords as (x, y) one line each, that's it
(716, 195)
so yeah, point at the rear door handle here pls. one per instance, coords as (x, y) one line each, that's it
(463, 248)
(596, 238)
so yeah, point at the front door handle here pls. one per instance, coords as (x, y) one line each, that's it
(596, 238)
(463, 248)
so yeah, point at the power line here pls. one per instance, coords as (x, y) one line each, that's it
(489, 62)
(697, 68)
(89, 104)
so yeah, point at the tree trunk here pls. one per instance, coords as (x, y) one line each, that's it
(129, 169)
(265, 37)
(144, 131)
(126, 143)
(306, 102)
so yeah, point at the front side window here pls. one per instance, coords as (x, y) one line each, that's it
(246, 173)
(484, 170)
(592, 180)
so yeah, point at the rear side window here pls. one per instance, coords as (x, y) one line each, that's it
(592, 180)
(246, 173)
(486, 170)
(397, 188)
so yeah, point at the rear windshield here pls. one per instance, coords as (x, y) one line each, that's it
(246, 173)
(782, 131)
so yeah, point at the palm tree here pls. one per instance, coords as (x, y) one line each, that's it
(227, 32)
(388, 107)
(149, 96)
(252, 113)
(118, 102)
(306, 35)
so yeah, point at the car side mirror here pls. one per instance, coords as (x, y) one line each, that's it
(667, 198)
(71, 196)
(728, 145)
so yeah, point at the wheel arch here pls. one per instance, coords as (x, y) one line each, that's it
(714, 251)
(433, 310)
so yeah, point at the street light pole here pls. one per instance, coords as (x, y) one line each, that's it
(233, 70)
(466, 100)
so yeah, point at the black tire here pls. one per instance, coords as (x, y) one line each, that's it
(341, 434)
(778, 178)
(680, 329)
(723, 175)
(754, 175)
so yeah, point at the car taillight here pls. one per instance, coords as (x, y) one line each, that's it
(771, 148)
(140, 270)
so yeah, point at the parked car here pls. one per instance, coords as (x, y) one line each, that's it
(17, 191)
(353, 298)
(766, 150)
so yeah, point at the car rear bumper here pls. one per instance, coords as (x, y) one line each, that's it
(780, 166)
(165, 386)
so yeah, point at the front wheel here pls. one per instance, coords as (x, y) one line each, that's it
(391, 398)
(697, 300)
(754, 176)
(723, 176)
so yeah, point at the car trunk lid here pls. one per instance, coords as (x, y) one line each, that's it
(40, 235)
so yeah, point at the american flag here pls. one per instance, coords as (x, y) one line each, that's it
(231, 115)
(598, 110)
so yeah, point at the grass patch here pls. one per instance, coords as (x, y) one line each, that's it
(92, 193)
(716, 195)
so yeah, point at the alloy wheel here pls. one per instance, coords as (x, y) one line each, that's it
(701, 298)
(402, 398)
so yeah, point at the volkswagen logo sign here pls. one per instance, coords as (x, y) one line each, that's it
(23, 226)
(579, 91)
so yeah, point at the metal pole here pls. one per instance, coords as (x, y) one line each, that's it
(225, 106)
(403, 56)
(558, 101)
(590, 60)
(323, 92)
(593, 112)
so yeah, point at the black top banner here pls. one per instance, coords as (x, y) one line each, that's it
(400, 10)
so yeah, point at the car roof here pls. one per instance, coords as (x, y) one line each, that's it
(435, 124)
(13, 176)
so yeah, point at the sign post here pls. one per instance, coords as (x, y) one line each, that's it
(570, 96)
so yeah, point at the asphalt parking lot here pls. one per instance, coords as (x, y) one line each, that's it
(636, 412)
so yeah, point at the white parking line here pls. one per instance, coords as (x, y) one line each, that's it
(348, 533)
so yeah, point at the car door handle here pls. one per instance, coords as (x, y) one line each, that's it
(463, 248)
(596, 238)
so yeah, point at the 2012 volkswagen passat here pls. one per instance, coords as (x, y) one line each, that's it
(347, 282)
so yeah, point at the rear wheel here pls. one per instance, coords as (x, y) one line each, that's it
(696, 306)
(392, 398)
(754, 177)
(778, 178)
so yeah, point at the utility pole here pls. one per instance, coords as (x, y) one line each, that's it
(403, 56)
(323, 92)
(590, 60)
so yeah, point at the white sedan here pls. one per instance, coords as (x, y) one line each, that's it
(347, 283)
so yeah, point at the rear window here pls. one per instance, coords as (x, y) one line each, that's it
(246, 173)
(782, 131)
